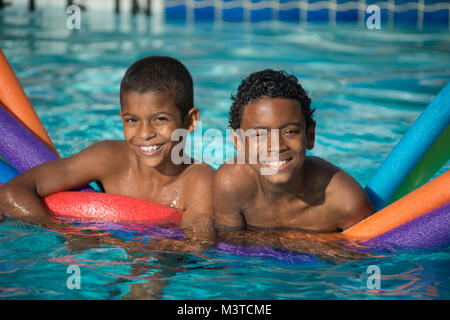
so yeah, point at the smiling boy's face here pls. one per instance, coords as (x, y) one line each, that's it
(149, 119)
(286, 116)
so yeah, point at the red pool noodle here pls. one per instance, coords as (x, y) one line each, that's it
(96, 206)
(109, 207)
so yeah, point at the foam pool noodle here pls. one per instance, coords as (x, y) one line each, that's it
(19, 147)
(13, 98)
(436, 157)
(410, 150)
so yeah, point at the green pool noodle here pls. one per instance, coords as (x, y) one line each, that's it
(432, 161)
(1, 158)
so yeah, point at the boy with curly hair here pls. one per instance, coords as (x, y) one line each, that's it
(299, 192)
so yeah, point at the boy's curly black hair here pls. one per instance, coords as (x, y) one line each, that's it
(160, 73)
(270, 83)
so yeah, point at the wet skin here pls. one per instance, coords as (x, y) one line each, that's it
(307, 193)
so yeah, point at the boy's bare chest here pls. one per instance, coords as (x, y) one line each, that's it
(128, 184)
(289, 212)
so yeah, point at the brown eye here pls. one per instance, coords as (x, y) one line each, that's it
(261, 133)
(130, 120)
(290, 132)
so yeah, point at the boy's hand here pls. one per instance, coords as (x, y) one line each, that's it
(77, 242)
(294, 241)
(324, 250)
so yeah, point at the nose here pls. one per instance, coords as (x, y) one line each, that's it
(275, 142)
(274, 146)
(146, 131)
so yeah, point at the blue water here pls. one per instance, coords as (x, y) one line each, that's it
(368, 87)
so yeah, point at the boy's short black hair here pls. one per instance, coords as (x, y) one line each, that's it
(273, 84)
(158, 74)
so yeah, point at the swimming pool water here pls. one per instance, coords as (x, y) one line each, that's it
(368, 87)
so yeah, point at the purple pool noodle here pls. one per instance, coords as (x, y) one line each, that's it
(20, 148)
(133, 231)
(269, 253)
(144, 233)
(431, 230)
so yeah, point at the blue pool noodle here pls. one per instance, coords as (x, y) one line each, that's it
(6, 172)
(410, 150)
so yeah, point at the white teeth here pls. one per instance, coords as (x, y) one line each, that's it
(149, 148)
(276, 163)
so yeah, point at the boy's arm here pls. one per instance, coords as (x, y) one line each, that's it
(229, 192)
(232, 189)
(348, 200)
(21, 196)
(197, 221)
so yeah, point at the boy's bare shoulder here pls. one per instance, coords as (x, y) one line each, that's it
(238, 181)
(108, 154)
(109, 148)
(109, 145)
(199, 172)
(320, 166)
(319, 174)
(345, 196)
(337, 182)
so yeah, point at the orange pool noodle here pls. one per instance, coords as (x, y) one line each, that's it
(15, 100)
(433, 194)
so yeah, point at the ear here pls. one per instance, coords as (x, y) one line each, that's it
(311, 136)
(191, 119)
(235, 138)
(121, 114)
(236, 141)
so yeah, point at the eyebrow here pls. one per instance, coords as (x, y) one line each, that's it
(283, 126)
(298, 124)
(153, 115)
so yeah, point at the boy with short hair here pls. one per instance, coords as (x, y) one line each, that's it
(299, 192)
(156, 96)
